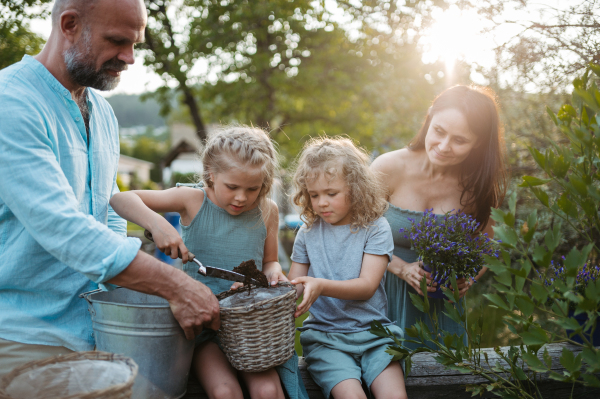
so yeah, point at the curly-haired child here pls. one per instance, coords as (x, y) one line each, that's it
(338, 263)
(226, 221)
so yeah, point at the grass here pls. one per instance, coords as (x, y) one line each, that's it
(133, 227)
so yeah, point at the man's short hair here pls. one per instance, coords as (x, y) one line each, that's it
(62, 5)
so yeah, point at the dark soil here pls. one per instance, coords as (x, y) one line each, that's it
(249, 269)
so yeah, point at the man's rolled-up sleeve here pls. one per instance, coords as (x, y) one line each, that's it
(115, 222)
(36, 190)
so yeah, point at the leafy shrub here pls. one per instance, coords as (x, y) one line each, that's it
(570, 173)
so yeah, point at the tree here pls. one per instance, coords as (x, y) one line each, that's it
(294, 68)
(17, 39)
(553, 45)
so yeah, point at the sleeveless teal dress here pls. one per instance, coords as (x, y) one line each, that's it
(222, 240)
(400, 308)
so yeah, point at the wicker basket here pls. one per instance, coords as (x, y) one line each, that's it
(259, 336)
(120, 391)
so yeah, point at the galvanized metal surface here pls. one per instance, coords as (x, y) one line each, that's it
(143, 327)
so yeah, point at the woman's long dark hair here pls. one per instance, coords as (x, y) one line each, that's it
(482, 175)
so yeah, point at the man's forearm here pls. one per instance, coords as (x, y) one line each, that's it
(150, 276)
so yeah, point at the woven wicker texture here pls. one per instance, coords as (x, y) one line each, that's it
(120, 391)
(259, 336)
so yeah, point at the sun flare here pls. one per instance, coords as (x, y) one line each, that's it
(456, 34)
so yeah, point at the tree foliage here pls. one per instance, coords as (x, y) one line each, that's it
(293, 67)
(17, 39)
(554, 42)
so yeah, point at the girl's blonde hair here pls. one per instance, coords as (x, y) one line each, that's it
(334, 157)
(240, 145)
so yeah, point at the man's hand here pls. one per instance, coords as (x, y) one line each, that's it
(195, 307)
(312, 290)
(193, 304)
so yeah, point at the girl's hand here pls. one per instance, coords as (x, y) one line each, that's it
(168, 240)
(312, 290)
(412, 273)
(276, 276)
(273, 277)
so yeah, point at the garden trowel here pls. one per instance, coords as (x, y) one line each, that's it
(210, 271)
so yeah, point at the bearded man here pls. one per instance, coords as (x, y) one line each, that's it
(59, 151)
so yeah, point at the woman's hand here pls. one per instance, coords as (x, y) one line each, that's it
(312, 290)
(465, 284)
(412, 273)
(168, 240)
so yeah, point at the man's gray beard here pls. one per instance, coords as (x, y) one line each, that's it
(81, 66)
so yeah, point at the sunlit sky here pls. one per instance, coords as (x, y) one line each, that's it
(454, 35)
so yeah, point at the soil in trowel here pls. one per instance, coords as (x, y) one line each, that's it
(248, 269)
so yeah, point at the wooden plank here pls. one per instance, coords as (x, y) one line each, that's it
(429, 379)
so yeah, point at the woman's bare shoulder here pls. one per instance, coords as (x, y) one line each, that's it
(393, 162)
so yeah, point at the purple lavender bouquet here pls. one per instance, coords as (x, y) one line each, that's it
(451, 244)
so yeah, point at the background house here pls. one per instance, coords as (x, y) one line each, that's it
(183, 156)
(132, 169)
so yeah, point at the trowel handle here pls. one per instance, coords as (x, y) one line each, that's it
(191, 256)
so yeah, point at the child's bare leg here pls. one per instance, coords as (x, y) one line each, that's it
(263, 385)
(390, 383)
(348, 389)
(217, 376)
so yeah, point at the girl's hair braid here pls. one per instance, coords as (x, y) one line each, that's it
(234, 146)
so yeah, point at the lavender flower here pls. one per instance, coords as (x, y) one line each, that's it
(557, 271)
(452, 244)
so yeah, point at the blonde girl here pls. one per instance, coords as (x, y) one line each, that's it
(225, 222)
(338, 263)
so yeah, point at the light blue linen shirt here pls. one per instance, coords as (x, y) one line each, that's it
(58, 235)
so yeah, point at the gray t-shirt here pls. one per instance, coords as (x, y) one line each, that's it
(335, 253)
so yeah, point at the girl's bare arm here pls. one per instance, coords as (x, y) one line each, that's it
(141, 207)
(271, 267)
(361, 288)
(298, 270)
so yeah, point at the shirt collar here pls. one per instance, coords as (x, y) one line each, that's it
(45, 74)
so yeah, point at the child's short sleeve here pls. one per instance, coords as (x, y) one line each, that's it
(299, 254)
(379, 239)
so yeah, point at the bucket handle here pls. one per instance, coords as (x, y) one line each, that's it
(85, 295)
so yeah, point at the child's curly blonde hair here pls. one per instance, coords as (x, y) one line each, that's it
(334, 157)
(240, 145)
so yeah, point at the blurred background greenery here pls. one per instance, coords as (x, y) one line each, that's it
(368, 69)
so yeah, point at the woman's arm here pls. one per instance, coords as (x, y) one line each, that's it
(140, 207)
(412, 273)
(361, 288)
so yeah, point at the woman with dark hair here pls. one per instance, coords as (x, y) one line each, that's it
(454, 163)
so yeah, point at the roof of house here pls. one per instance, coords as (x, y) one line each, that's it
(133, 160)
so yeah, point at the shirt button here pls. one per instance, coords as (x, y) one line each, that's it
(77, 119)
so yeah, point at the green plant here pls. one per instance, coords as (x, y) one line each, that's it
(571, 176)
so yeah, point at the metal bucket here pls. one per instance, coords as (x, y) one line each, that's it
(142, 327)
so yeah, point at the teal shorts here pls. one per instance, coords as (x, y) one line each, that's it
(334, 357)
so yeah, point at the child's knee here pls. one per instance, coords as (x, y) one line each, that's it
(267, 390)
(225, 391)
